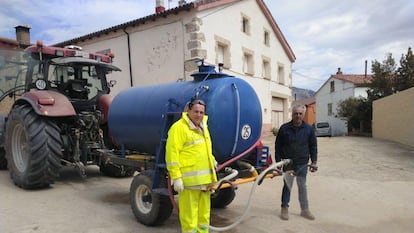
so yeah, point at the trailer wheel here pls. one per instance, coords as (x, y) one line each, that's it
(222, 198)
(33, 148)
(150, 208)
(3, 160)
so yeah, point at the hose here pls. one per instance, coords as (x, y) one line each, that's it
(235, 158)
(233, 173)
(257, 182)
(236, 91)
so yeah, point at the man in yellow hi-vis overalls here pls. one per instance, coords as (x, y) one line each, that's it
(190, 164)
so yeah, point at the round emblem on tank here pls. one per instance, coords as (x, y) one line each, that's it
(246, 131)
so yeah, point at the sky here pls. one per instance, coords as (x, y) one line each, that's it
(323, 34)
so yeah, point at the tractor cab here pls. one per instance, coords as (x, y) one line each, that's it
(79, 75)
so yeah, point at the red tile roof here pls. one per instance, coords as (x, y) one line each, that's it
(354, 78)
(7, 40)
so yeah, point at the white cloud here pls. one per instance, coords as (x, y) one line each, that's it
(323, 34)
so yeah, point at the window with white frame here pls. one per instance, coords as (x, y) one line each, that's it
(266, 69)
(266, 37)
(223, 52)
(330, 109)
(245, 24)
(281, 74)
(248, 62)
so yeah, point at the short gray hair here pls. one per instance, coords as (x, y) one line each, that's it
(296, 106)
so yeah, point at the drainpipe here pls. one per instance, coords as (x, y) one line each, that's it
(129, 58)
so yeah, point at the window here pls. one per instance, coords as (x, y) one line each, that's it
(223, 52)
(248, 64)
(81, 82)
(245, 24)
(332, 86)
(330, 109)
(281, 74)
(266, 73)
(220, 53)
(266, 38)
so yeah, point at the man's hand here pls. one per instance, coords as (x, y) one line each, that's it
(313, 167)
(178, 185)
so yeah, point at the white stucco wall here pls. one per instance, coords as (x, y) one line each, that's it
(324, 96)
(160, 48)
(156, 50)
(213, 26)
(117, 43)
(157, 54)
(361, 92)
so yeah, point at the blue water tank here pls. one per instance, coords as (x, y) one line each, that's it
(235, 118)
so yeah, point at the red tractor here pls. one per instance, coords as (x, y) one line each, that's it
(58, 115)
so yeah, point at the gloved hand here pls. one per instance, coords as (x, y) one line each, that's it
(178, 185)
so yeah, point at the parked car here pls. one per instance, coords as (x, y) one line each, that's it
(322, 129)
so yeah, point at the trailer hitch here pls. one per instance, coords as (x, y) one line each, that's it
(78, 165)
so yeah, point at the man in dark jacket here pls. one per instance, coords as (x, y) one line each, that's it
(296, 140)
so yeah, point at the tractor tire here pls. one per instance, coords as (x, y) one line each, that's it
(222, 198)
(3, 160)
(150, 208)
(116, 171)
(33, 148)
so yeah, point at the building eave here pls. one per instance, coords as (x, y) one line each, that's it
(203, 5)
(132, 23)
(8, 41)
(277, 30)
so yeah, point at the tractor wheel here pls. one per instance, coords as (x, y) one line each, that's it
(116, 171)
(3, 160)
(33, 148)
(150, 208)
(222, 198)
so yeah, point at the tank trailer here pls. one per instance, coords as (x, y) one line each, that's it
(62, 114)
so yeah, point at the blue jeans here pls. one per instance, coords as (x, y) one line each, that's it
(300, 173)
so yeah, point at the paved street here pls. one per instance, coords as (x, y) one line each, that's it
(363, 185)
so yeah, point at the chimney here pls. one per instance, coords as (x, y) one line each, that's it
(23, 35)
(339, 71)
(181, 2)
(159, 6)
(366, 64)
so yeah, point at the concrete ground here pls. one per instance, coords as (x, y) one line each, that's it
(363, 185)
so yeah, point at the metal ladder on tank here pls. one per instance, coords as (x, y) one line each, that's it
(160, 173)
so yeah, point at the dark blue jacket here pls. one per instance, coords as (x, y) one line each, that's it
(296, 143)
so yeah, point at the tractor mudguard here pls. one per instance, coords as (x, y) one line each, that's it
(104, 102)
(48, 103)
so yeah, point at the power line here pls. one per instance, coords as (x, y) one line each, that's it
(307, 76)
